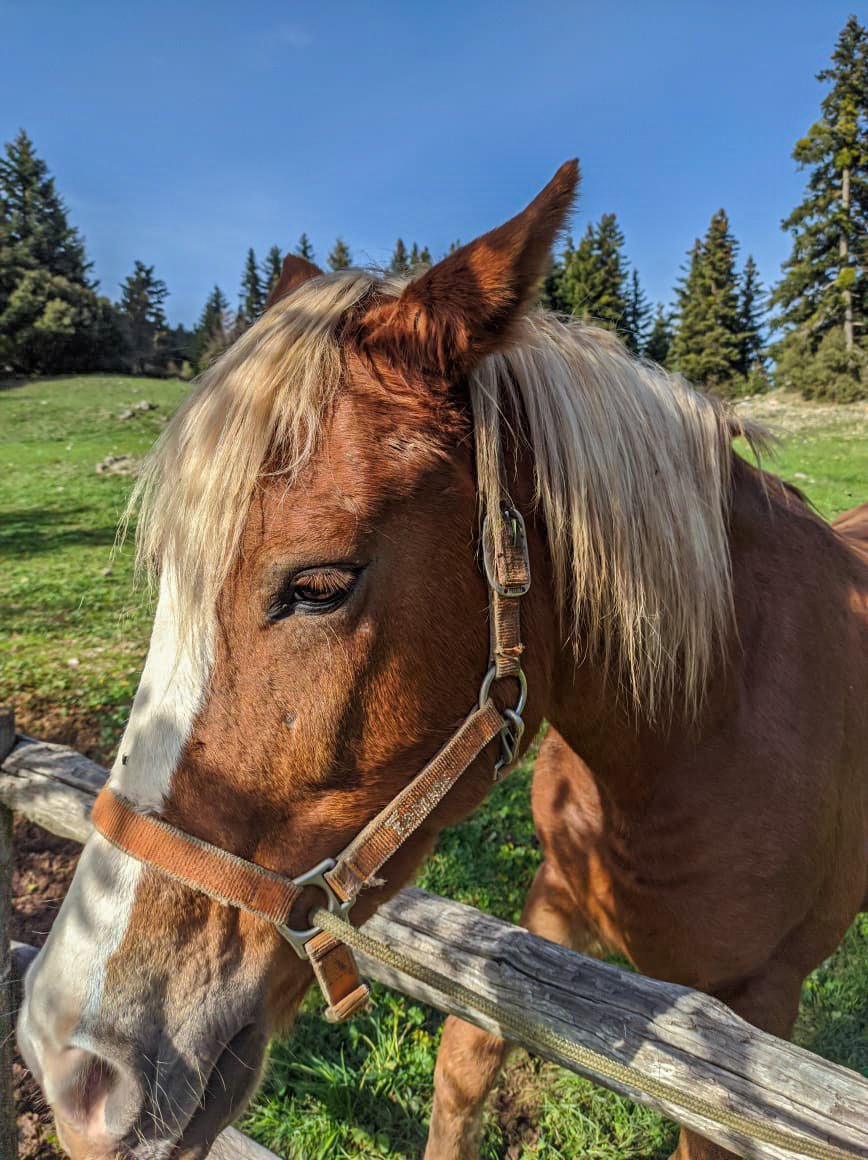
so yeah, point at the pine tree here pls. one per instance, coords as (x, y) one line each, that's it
(688, 321)
(51, 318)
(178, 344)
(252, 300)
(578, 282)
(304, 249)
(52, 325)
(418, 259)
(215, 314)
(594, 284)
(271, 270)
(35, 233)
(340, 258)
(636, 316)
(144, 319)
(552, 293)
(659, 339)
(611, 301)
(822, 298)
(707, 346)
(751, 312)
(400, 263)
(143, 295)
(214, 330)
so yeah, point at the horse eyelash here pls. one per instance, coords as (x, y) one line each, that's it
(320, 580)
(324, 579)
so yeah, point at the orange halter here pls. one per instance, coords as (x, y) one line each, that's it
(233, 881)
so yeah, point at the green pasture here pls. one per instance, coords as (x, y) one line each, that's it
(73, 634)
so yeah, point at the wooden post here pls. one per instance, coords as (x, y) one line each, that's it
(8, 1127)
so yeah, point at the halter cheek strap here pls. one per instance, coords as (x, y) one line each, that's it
(233, 881)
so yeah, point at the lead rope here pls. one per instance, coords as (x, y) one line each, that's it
(537, 1037)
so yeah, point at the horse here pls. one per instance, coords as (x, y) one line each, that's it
(694, 634)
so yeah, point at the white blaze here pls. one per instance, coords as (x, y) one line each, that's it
(66, 985)
(170, 694)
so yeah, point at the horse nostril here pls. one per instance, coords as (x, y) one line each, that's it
(78, 1084)
(95, 1081)
(91, 1097)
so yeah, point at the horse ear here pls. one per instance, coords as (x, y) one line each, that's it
(463, 308)
(293, 272)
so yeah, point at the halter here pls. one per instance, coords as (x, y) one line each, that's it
(235, 882)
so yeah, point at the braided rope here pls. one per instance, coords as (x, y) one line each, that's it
(537, 1037)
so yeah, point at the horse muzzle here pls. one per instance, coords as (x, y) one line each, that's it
(113, 1101)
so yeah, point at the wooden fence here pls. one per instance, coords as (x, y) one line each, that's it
(690, 1041)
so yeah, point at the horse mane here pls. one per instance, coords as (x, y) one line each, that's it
(631, 475)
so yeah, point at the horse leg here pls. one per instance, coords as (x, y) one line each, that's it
(469, 1059)
(769, 1001)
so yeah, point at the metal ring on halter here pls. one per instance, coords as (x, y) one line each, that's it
(513, 726)
(510, 739)
(297, 939)
(489, 679)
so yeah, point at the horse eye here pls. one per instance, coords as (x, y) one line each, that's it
(315, 590)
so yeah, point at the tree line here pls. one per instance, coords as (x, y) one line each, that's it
(723, 330)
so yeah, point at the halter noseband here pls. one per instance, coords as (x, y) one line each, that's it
(235, 882)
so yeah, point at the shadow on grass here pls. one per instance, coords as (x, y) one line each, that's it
(37, 531)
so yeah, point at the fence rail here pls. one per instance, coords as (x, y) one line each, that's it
(690, 1041)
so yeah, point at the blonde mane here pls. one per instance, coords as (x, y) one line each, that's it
(632, 477)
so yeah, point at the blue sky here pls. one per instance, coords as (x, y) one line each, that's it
(181, 133)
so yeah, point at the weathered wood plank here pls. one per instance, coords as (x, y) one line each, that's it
(52, 786)
(677, 1035)
(60, 809)
(233, 1145)
(8, 1129)
(58, 762)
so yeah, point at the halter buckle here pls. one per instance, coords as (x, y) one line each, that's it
(507, 564)
(298, 939)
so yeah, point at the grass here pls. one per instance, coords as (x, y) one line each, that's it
(75, 631)
(823, 448)
(74, 639)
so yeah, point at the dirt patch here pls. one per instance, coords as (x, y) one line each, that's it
(516, 1105)
(44, 866)
(81, 729)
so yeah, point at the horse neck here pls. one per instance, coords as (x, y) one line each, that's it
(773, 538)
(627, 753)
